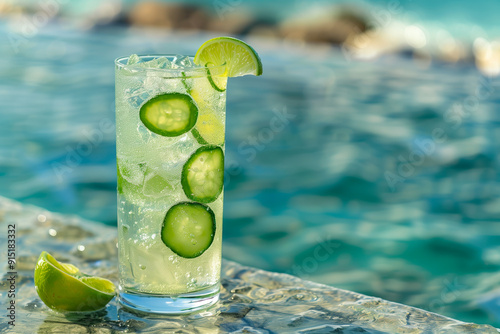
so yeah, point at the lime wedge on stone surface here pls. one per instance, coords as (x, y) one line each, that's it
(62, 287)
(238, 57)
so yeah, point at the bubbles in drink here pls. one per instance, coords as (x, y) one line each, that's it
(149, 170)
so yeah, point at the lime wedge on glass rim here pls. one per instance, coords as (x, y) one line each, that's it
(62, 287)
(238, 57)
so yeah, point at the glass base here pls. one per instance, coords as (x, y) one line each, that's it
(166, 304)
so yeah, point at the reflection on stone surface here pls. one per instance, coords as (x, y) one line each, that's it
(252, 301)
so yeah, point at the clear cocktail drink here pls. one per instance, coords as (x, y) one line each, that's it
(170, 117)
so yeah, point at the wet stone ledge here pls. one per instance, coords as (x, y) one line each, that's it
(252, 300)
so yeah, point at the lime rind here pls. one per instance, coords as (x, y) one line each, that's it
(198, 137)
(184, 82)
(218, 82)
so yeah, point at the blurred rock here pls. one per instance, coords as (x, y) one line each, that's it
(264, 31)
(371, 44)
(7, 8)
(243, 23)
(234, 23)
(452, 51)
(487, 56)
(168, 15)
(327, 26)
(106, 13)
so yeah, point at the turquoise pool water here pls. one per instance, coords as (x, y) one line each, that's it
(361, 175)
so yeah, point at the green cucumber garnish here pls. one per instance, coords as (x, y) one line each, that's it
(203, 174)
(169, 115)
(188, 229)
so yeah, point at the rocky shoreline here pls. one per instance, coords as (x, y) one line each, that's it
(361, 33)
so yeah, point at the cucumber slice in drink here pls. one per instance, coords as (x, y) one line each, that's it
(203, 174)
(169, 115)
(188, 229)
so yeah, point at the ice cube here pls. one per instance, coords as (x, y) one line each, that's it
(182, 62)
(132, 172)
(144, 133)
(137, 96)
(155, 185)
(133, 59)
(174, 151)
(160, 63)
(154, 83)
(163, 63)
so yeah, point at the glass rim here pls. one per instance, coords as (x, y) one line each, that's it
(169, 72)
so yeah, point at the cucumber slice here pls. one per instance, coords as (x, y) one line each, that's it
(169, 115)
(188, 229)
(203, 174)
